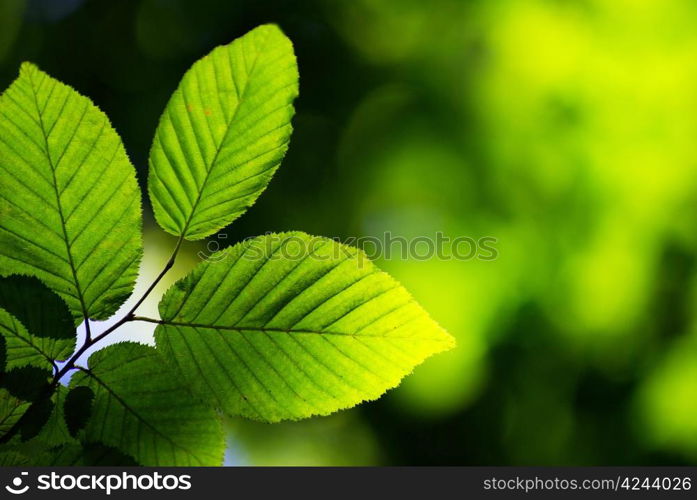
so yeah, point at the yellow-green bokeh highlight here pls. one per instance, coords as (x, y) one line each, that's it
(585, 110)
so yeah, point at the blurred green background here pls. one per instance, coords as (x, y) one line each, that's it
(566, 129)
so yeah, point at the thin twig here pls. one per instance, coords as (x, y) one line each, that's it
(129, 316)
(167, 267)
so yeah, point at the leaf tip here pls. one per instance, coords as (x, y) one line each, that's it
(28, 68)
(268, 28)
(450, 341)
(269, 32)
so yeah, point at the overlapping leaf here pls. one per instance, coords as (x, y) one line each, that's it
(40, 310)
(288, 326)
(77, 409)
(23, 401)
(45, 331)
(11, 411)
(141, 408)
(69, 201)
(23, 348)
(223, 134)
(55, 431)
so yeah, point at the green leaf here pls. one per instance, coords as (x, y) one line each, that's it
(87, 454)
(69, 201)
(42, 312)
(3, 352)
(25, 401)
(55, 431)
(11, 458)
(29, 383)
(223, 134)
(20, 390)
(78, 408)
(46, 317)
(22, 348)
(11, 411)
(288, 326)
(141, 408)
(36, 417)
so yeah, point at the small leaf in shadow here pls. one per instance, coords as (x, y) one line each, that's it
(35, 418)
(42, 312)
(78, 408)
(27, 383)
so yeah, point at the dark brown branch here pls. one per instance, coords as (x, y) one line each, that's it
(129, 316)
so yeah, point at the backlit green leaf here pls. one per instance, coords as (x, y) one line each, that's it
(42, 312)
(48, 331)
(29, 383)
(55, 431)
(223, 134)
(141, 408)
(23, 348)
(11, 410)
(288, 326)
(69, 200)
(22, 400)
(36, 417)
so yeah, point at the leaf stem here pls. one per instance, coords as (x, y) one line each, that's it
(88, 333)
(167, 267)
(129, 316)
(148, 320)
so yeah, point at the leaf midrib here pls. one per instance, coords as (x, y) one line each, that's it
(130, 410)
(227, 132)
(59, 206)
(241, 329)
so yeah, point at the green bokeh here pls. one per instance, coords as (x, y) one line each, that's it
(565, 129)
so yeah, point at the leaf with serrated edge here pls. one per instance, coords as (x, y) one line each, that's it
(144, 410)
(55, 431)
(223, 134)
(50, 331)
(24, 404)
(11, 410)
(37, 307)
(288, 326)
(77, 408)
(23, 348)
(69, 201)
